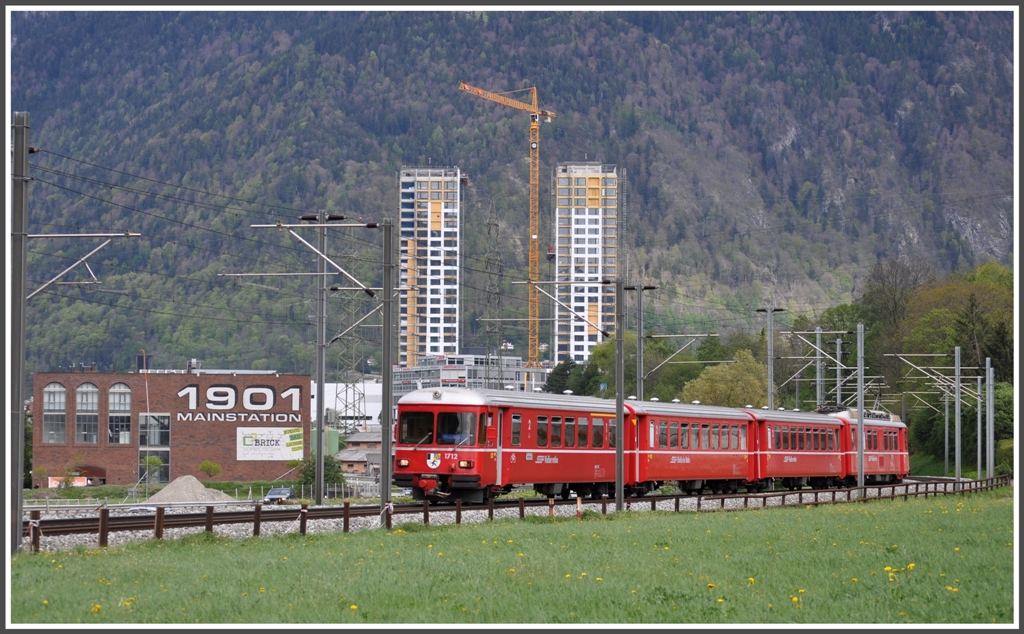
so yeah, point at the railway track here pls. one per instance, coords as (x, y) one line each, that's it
(103, 523)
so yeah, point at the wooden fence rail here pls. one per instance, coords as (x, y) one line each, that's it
(102, 526)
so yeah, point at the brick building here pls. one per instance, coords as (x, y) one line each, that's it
(105, 425)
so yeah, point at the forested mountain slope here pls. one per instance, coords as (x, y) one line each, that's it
(769, 157)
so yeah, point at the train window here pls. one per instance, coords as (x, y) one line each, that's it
(807, 438)
(611, 433)
(556, 431)
(743, 437)
(704, 429)
(542, 431)
(663, 434)
(714, 436)
(416, 428)
(792, 437)
(458, 428)
(485, 422)
(735, 437)
(673, 435)
(800, 438)
(835, 438)
(651, 430)
(598, 433)
(570, 431)
(785, 438)
(725, 436)
(581, 433)
(778, 439)
(517, 424)
(853, 438)
(684, 436)
(815, 434)
(694, 431)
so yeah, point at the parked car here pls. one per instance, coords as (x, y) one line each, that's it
(279, 495)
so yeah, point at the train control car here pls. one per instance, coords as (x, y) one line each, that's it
(454, 443)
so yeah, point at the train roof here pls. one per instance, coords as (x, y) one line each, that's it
(508, 398)
(499, 398)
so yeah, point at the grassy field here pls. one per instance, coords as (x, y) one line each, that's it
(946, 559)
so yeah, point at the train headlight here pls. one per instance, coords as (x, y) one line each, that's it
(403, 463)
(465, 464)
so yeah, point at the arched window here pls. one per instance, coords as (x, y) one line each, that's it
(119, 417)
(54, 414)
(87, 414)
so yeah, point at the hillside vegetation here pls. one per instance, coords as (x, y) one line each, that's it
(769, 157)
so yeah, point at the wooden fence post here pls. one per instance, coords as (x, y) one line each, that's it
(158, 523)
(209, 519)
(104, 525)
(302, 518)
(490, 508)
(344, 522)
(33, 530)
(551, 507)
(426, 511)
(256, 517)
(522, 509)
(604, 504)
(458, 510)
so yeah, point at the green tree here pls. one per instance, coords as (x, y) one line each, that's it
(730, 384)
(209, 469)
(559, 376)
(332, 471)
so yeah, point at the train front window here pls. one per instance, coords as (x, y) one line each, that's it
(456, 428)
(416, 428)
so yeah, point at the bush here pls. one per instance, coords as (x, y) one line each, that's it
(209, 469)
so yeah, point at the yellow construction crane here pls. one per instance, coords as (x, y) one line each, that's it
(533, 359)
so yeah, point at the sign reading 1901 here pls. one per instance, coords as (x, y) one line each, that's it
(256, 400)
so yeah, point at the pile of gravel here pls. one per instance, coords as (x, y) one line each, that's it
(188, 489)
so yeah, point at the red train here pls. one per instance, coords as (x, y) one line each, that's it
(455, 443)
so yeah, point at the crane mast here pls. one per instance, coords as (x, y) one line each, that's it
(533, 357)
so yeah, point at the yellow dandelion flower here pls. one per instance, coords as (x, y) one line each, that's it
(721, 600)
(97, 608)
(711, 585)
(569, 575)
(633, 591)
(854, 580)
(263, 589)
(353, 607)
(796, 599)
(801, 591)
(910, 566)
(751, 580)
(600, 579)
(45, 602)
(520, 554)
(887, 568)
(957, 548)
(510, 541)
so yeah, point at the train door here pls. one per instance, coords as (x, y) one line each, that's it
(500, 433)
(631, 445)
(489, 450)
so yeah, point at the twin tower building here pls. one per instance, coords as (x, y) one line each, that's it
(582, 253)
